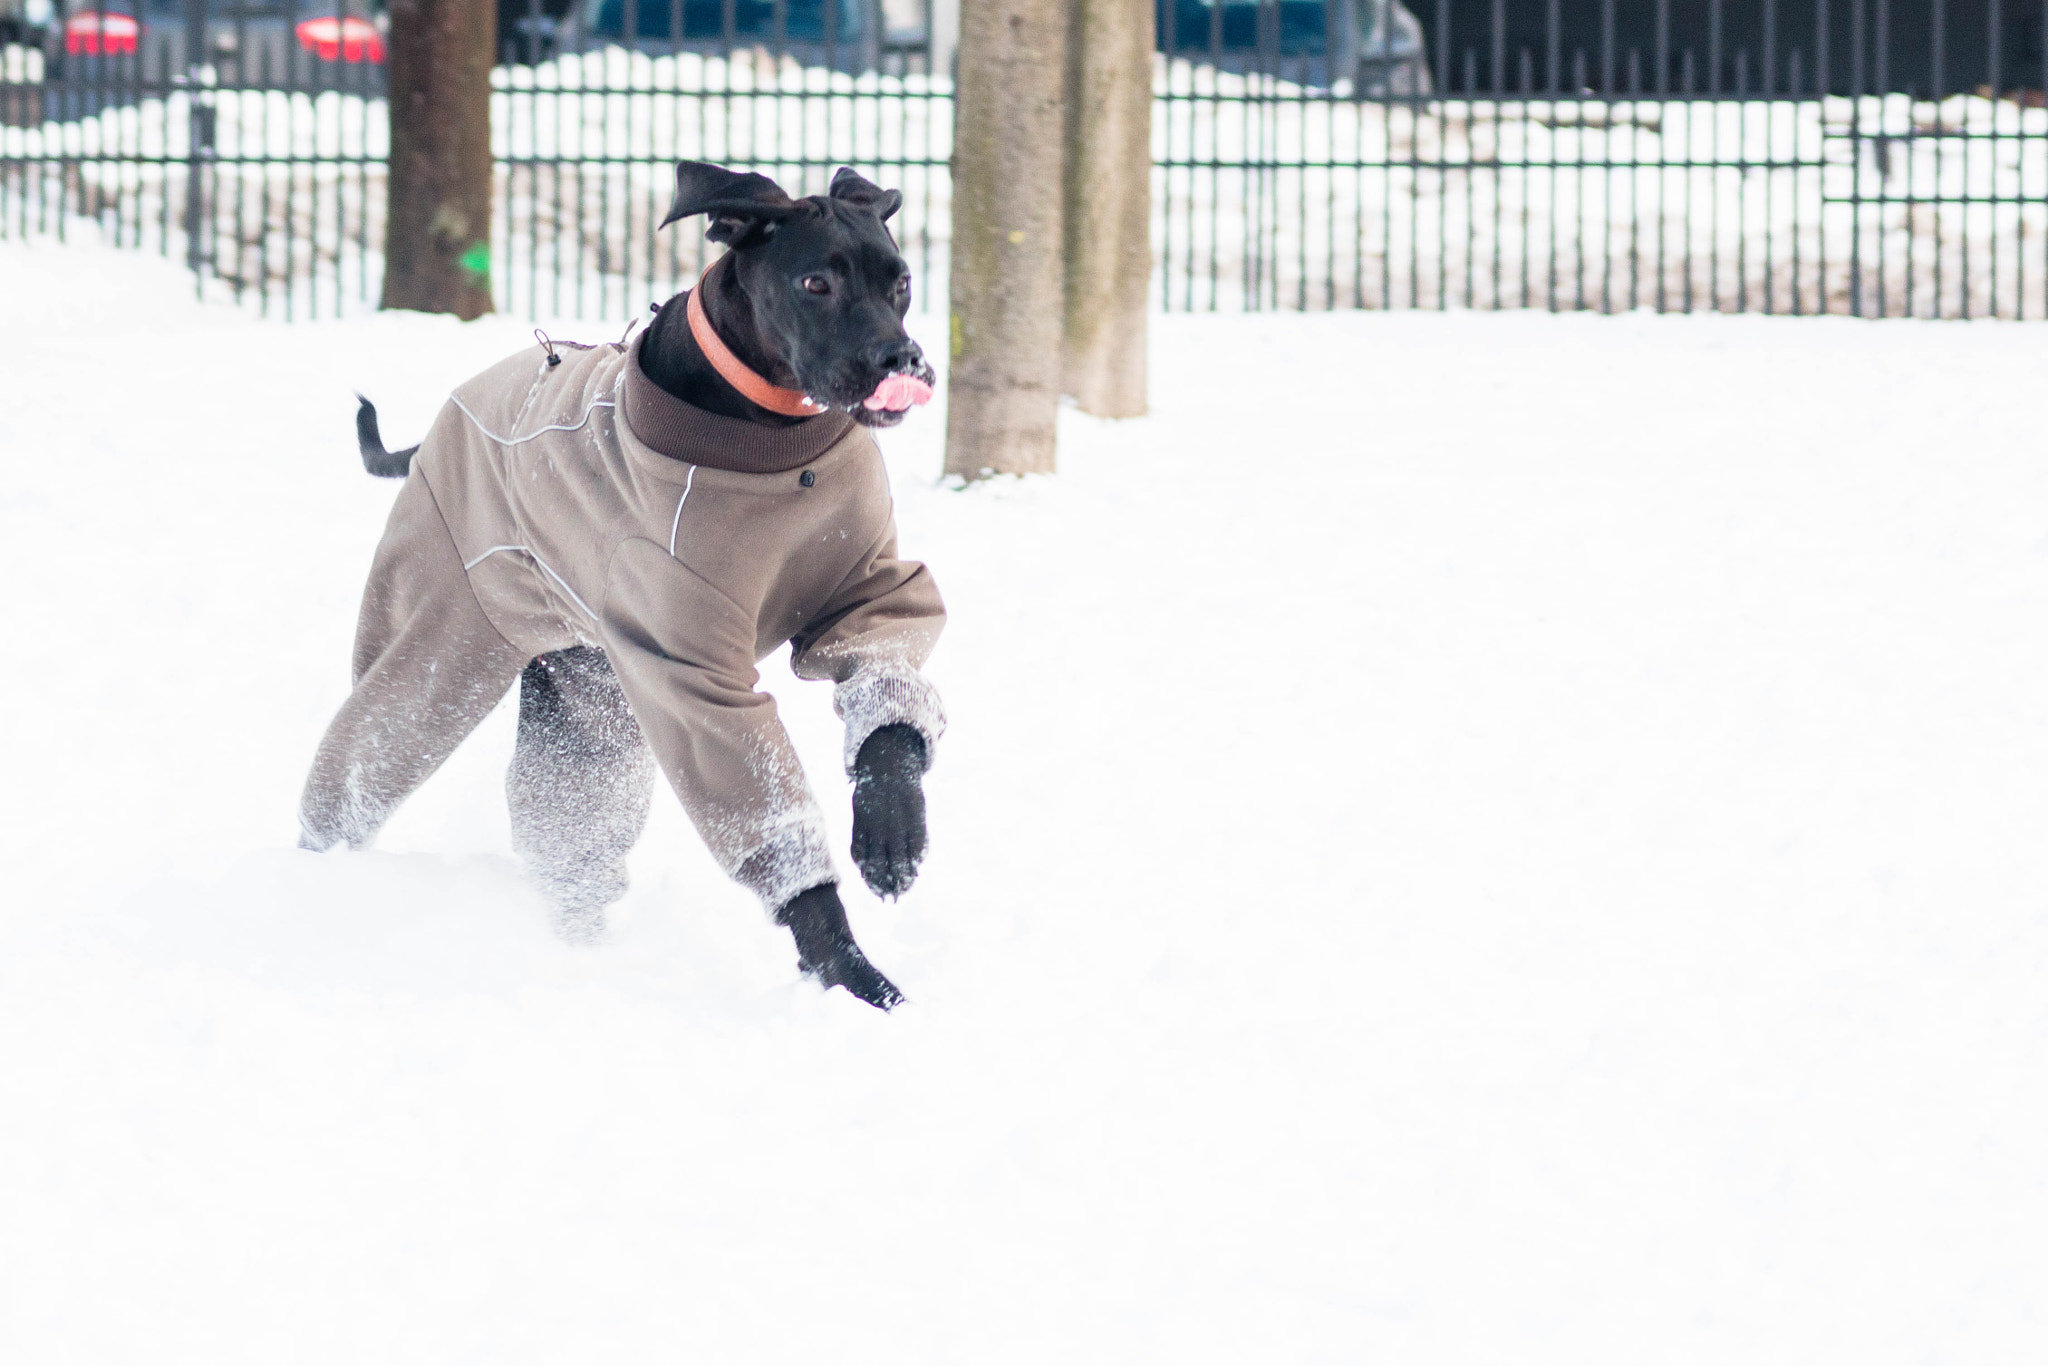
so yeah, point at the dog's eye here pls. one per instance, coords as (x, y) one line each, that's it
(903, 284)
(817, 284)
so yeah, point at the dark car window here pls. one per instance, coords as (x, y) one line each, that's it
(705, 19)
(1301, 25)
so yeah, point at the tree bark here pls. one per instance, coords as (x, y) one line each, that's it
(1003, 389)
(1109, 204)
(437, 234)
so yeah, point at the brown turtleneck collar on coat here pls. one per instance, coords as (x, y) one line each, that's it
(684, 432)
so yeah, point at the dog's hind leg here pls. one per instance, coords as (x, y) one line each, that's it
(580, 784)
(428, 666)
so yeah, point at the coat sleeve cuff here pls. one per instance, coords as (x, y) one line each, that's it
(888, 694)
(794, 859)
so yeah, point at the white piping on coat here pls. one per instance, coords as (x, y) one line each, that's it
(545, 566)
(488, 553)
(676, 525)
(518, 440)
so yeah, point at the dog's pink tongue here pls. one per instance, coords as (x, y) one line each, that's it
(898, 392)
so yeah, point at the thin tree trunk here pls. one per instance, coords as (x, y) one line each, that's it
(1109, 204)
(437, 230)
(1002, 392)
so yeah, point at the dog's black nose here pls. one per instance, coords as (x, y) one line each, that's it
(893, 357)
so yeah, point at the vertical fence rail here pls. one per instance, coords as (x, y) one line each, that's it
(1882, 158)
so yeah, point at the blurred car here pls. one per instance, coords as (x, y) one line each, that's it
(101, 33)
(805, 23)
(1377, 51)
(1392, 57)
(532, 31)
(340, 38)
(27, 23)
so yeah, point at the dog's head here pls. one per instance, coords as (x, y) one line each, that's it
(826, 287)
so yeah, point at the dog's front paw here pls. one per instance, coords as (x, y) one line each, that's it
(826, 952)
(888, 810)
(850, 968)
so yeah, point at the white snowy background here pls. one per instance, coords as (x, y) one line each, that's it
(1464, 839)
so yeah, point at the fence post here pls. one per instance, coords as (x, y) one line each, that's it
(199, 148)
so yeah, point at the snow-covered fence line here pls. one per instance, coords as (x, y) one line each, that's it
(279, 194)
(586, 146)
(1285, 197)
(1267, 194)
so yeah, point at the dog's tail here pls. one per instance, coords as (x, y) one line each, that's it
(378, 461)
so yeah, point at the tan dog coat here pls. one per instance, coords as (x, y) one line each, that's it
(578, 504)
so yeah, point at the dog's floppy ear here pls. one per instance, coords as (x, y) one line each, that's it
(742, 206)
(851, 187)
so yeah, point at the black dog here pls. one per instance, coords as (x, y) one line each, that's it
(812, 302)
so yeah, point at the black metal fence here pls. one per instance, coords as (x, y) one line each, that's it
(221, 134)
(587, 136)
(1874, 157)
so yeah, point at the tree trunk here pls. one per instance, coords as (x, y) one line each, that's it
(437, 234)
(1109, 204)
(1003, 390)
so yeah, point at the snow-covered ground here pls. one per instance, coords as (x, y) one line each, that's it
(1464, 839)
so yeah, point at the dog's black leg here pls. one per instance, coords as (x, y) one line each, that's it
(579, 786)
(888, 809)
(825, 948)
(378, 461)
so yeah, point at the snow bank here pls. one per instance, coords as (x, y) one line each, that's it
(1498, 839)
